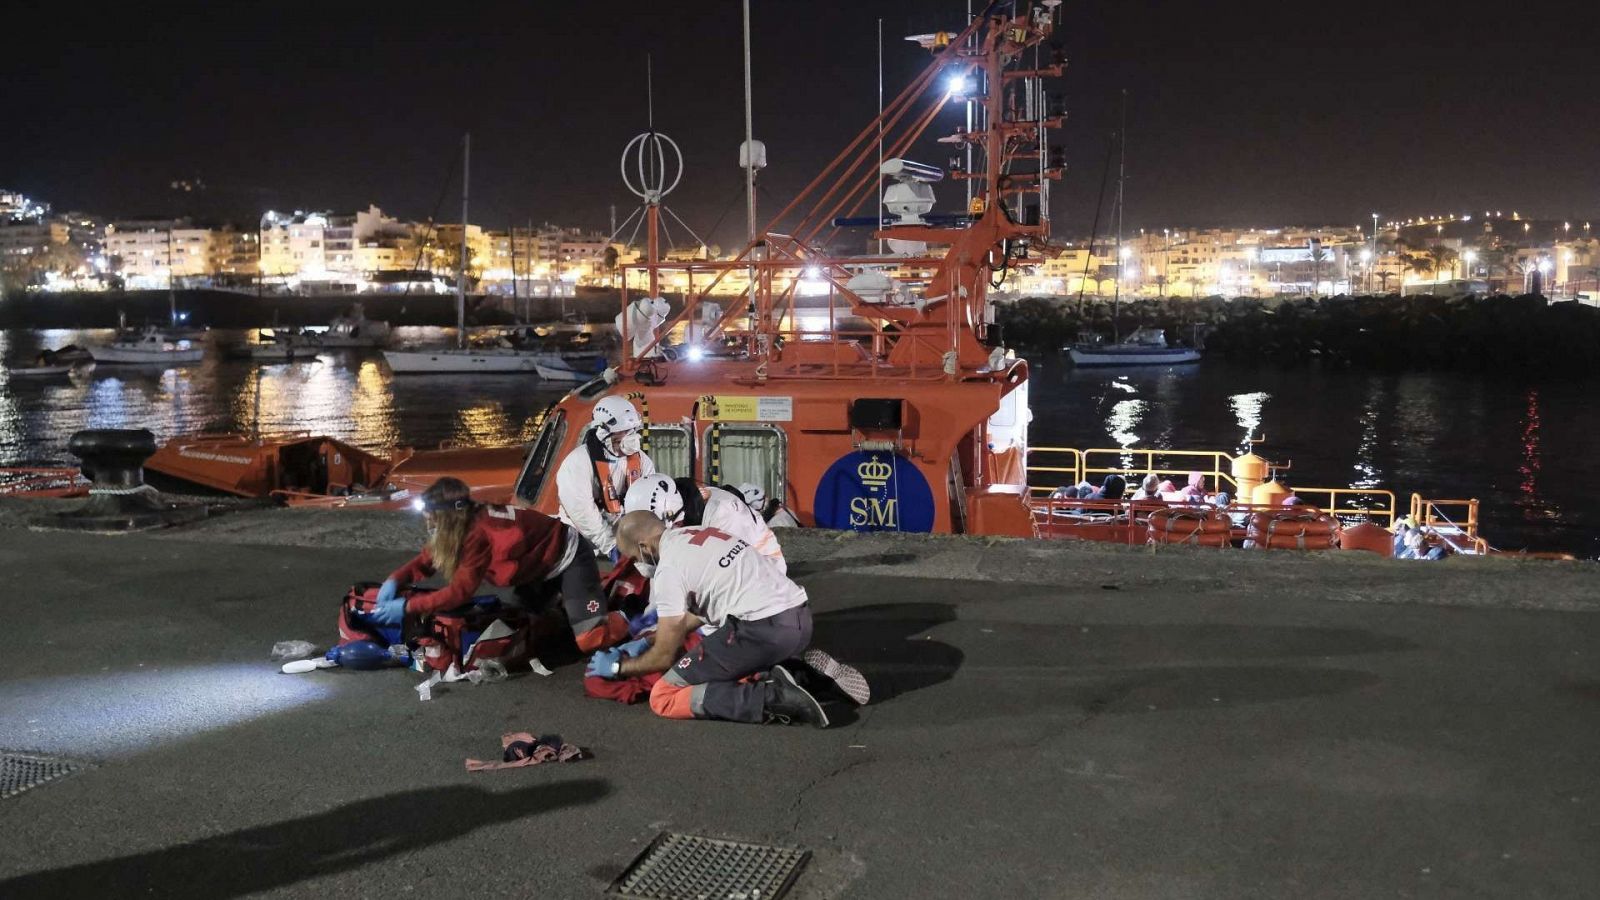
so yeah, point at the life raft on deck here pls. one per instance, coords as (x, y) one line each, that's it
(1195, 526)
(1369, 537)
(1292, 529)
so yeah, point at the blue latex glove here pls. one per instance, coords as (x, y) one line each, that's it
(387, 592)
(634, 649)
(390, 611)
(646, 622)
(616, 556)
(604, 664)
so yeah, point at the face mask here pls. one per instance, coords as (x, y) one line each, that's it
(630, 444)
(647, 569)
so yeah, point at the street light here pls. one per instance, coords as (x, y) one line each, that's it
(1467, 259)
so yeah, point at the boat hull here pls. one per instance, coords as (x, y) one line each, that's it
(126, 355)
(1151, 356)
(422, 362)
(40, 371)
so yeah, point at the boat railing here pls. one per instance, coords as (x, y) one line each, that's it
(1065, 467)
(1374, 504)
(1130, 463)
(39, 481)
(1436, 515)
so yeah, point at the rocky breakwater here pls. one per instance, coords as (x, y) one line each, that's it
(1389, 332)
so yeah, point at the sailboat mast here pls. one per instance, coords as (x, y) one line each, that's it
(461, 268)
(1122, 259)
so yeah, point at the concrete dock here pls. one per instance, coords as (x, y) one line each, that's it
(1051, 720)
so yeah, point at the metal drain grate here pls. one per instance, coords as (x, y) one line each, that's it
(689, 867)
(21, 771)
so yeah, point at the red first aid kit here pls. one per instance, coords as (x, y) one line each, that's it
(483, 629)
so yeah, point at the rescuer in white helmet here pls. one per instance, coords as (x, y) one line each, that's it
(681, 503)
(773, 512)
(596, 475)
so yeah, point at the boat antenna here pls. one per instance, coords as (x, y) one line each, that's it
(750, 162)
(461, 268)
(879, 227)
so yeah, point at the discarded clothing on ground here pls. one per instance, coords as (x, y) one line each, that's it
(523, 749)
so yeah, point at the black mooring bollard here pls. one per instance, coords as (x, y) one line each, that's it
(119, 500)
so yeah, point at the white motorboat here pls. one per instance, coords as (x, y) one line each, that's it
(283, 347)
(355, 330)
(1144, 347)
(149, 346)
(568, 369)
(451, 360)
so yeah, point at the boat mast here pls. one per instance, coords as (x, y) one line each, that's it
(172, 290)
(461, 266)
(1122, 167)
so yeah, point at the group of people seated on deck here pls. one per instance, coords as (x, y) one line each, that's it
(1413, 541)
(1152, 489)
(713, 562)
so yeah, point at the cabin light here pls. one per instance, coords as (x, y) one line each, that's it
(813, 272)
(696, 353)
(418, 505)
(958, 85)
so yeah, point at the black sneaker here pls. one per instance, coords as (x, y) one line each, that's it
(788, 702)
(848, 679)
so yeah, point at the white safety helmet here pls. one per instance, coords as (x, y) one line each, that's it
(657, 495)
(754, 496)
(615, 415)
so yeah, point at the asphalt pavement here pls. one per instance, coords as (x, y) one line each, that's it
(1050, 721)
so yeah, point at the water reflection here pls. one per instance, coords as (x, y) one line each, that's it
(352, 396)
(1534, 505)
(1368, 475)
(1247, 410)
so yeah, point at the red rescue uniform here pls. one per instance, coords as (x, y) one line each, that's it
(523, 549)
(505, 547)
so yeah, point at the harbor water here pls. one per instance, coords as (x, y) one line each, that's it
(1522, 447)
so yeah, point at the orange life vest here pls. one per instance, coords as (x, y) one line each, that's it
(605, 493)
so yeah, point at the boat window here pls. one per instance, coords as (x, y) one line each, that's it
(669, 450)
(542, 457)
(753, 453)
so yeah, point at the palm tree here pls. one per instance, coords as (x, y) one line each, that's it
(1417, 262)
(1440, 258)
(611, 263)
(1194, 286)
(1318, 255)
(1383, 279)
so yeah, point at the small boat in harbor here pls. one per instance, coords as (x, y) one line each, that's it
(283, 346)
(52, 364)
(1144, 347)
(355, 331)
(562, 370)
(316, 470)
(54, 371)
(460, 360)
(500, 357)
(149, 346)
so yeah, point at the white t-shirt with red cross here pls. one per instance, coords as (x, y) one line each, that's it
(714, 575)
(731, 514)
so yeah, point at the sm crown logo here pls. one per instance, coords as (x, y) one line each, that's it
(875, 473)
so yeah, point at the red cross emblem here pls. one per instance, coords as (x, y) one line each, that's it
(594, 606)
(705, 534)
(683, 663)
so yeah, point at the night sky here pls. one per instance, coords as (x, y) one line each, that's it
(1238, 113)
